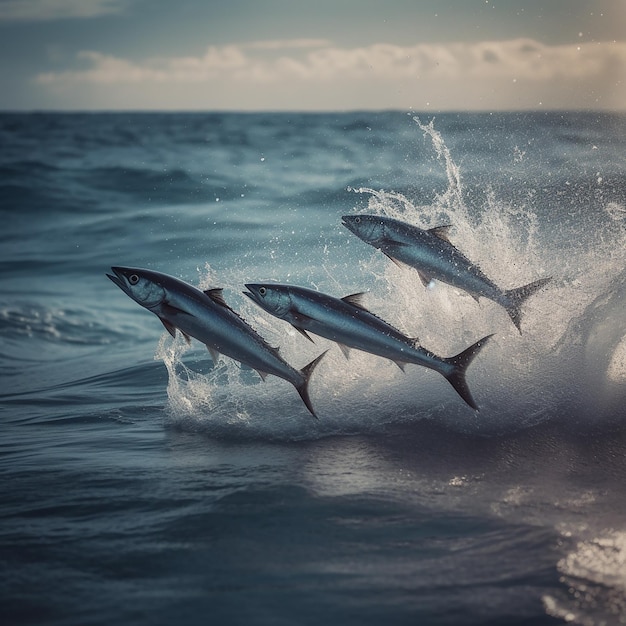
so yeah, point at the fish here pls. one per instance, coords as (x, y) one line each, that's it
(347, 322)
(432, 254)
(206, 316)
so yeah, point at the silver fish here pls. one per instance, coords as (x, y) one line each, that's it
(434, 257)
(347, 322)
(206, 316)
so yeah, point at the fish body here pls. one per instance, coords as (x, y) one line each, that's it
(347, 322)
(205, 316)
(434, 257)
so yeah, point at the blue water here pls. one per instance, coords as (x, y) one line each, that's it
(143, 484)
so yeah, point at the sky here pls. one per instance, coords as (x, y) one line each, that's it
(316, 55)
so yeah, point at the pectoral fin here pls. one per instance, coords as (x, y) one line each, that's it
(392, 259)
(169, 327)
(171, 310)
(303, 333)
(300, 320)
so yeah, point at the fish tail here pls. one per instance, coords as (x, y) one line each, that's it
(514, 298)
(461, 362)
(303, 388)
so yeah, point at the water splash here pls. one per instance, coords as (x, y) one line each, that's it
(573, 331)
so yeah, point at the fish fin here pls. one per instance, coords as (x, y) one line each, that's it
(186, 336)
(514, 298)
(355, 300)
(169, 309)
(217, 297)
(388, 242)
(299, 320)
(398, 263)
(441, 232)
(262, 374)
(461, 362)
(400, 364)
(303, 333)
(215, 355)
(303, 388)
(345, 349)
(475, 297)
(425, 278)
(171, 329)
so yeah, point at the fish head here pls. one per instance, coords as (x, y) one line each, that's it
(275, 299)
(143, 286)
(369, 228)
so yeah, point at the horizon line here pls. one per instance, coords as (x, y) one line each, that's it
(61, 111)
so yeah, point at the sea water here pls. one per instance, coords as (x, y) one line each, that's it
(142, 483)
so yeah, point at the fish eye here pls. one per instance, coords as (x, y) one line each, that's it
(133, 279)
(262, 290)
(357, 220)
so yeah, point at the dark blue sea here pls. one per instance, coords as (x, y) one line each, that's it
(143, 484)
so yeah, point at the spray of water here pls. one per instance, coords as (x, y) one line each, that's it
(570, 357)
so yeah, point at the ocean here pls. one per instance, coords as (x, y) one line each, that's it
(141, 483)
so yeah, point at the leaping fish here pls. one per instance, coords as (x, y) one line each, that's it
(347, 322)
(206, 316)
(433, 256)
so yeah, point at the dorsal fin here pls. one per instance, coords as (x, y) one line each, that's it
(355, 300)
(217, 297)
(441, 232)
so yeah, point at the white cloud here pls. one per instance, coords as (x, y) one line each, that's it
(42, 10)
(283, 44)
(436, 73)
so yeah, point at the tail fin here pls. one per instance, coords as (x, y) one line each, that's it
(303, 388)
(515, 298)
(461, 362)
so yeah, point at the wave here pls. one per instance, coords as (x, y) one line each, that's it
(56, 325)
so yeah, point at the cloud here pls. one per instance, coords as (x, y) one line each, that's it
(44, 10)
(285, 44)
(308, 65)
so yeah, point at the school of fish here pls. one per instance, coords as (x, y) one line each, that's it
(205, 315)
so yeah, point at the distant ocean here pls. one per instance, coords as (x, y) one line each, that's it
(143, 484)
